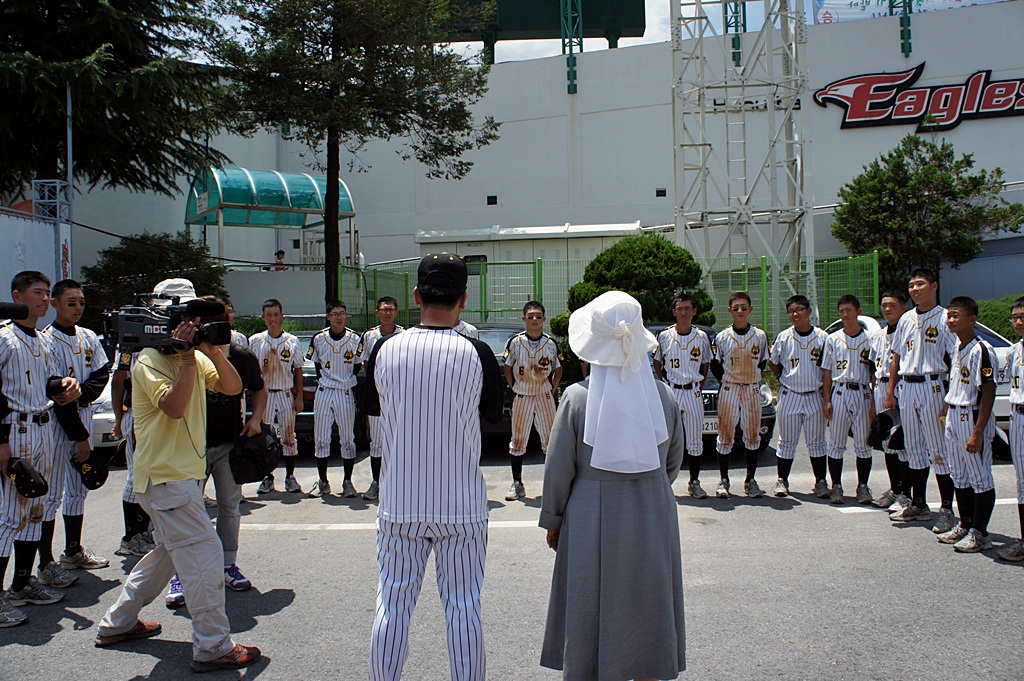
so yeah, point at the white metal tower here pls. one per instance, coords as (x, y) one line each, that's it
(739, 108)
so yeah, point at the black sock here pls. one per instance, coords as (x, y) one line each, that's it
(517, 468)
(321, 468)
(1020, 515)
(348, 465)
(73, 534)
(907, 476)
(723, 465)
(289, 465)
(143, 521)
(965, 505)
(920, 486)
(984, 502)
(818, 467)
(784, 467)
(4, 560)
(130, 519)
(945, 489)
(694, 467)
(835, 470)
(892, 467)
(863, 470)
(46, 542)
(751, 464)
(24, 554)
(375, 467)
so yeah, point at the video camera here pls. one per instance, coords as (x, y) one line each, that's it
(146, 325)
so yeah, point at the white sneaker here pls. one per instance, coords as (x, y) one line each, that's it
(52, 574)
(722, 491)
(954, 535)
(321, 488)
(516, 491)
(291, 484)
(887, 499)
(372, 491)
(9, 615)
(974, 542)
(944, 522)
(348, 489)
(694, 489)
(1014, 552)
(267, 486)
(864, 494)
(901, 502)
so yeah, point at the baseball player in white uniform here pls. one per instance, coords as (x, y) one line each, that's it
(894, 304)
(431, 386)
(387, 311)
(740, 355)
(1014, 373)
(29, 378)
(280, 357)
(138, 539)
(467, 330)
(337, 353)
(681, 360)
(922, 348)
(80, 354)
(848, 378)
(795, 359)
(970, 427)
(237, 337)
(533, 369)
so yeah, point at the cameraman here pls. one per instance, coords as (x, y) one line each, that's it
(169, 400)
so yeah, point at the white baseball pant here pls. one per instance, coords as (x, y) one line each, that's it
(376, 435)
(280, 415)
(527, 410)
(66, 486)
(969, 469)
(127, 427)
(851, 413)
(20, 517)
(334, 406)
(1017, 447)
(738, 403)
(920, 407)
(800, 410)
(691, 409)
(460, 552)
(880, 388)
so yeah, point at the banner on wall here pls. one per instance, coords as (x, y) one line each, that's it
(835, 11)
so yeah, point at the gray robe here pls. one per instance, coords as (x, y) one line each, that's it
(616, 607)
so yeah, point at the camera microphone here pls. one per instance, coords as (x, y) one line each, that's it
(16, 311)
(203, 308)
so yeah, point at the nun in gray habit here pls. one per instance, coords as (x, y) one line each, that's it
(616, 607)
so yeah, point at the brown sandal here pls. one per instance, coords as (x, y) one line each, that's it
(240, 656)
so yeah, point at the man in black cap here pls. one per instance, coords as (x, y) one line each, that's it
(428, 385)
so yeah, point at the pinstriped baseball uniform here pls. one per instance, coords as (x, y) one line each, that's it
(532, 362)
(881, 355)
(467, 330)
(738, 398)
(279, 358)
(800, 400)
(924, 343)
(430, 387)
(681, 357)
(26, 362)
(335, 403)
(126, 362)
(78, 355)
(848, 358)
(238, 338)
(369, 341)
(973, 365)
(1014, 373)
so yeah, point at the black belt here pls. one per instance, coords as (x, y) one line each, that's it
(883, 379)
(796, 392)
(687, 386)
(973, 409)
(852, 386)
(914, 378)
(281, 390)
(1019, 408)
(40, 419)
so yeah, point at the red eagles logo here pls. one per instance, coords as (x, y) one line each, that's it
(889, 99)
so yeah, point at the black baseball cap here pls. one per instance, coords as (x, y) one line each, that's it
(94, 470)
(29, 482)
(444, 273)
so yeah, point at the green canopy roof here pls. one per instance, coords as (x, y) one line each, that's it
(261, 198)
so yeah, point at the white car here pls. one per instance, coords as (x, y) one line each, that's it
(1002, 347)
(103, 421)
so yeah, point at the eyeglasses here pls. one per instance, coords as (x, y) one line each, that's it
(336, 315)
(534, 317)
(1016, 318)
(387, 309)
(797, 310)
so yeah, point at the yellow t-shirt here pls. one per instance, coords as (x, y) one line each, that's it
(166, 449)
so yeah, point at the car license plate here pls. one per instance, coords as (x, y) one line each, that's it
(710, 424)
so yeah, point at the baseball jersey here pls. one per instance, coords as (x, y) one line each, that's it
(238, 338)
(740, 354)
(848, 357)
(278, 358)
(924, 342)
(431, 387)
(370, 339)
(800, 358)
(467, 330)
(532, 362)
(337, 358)
(973, 365)
(27, 361)
(881, 350)
(1014, 372)
(79, 355)
(681, 356)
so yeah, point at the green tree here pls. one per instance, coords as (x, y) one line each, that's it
(142, 111)
(139, 262)
(342, 72)
(920, 205)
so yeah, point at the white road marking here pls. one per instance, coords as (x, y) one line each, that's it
(343, 527)
(933, 506)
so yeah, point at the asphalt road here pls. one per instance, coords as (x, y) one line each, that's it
(775, 588)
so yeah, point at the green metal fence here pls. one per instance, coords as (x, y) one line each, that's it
(498, 290)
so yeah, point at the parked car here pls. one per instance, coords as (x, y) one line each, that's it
(496, 336)
(103, 423)
(710, 395)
